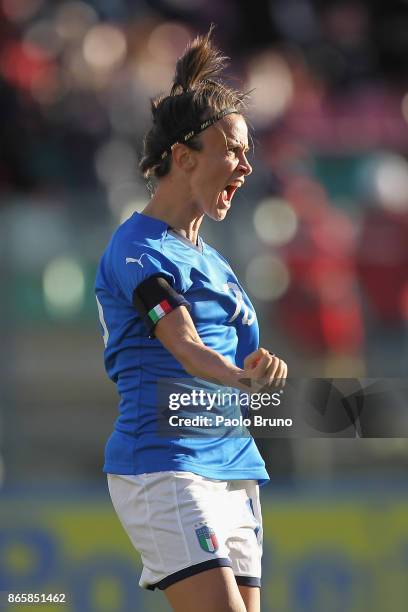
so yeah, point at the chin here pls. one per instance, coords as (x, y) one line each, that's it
(219, 215)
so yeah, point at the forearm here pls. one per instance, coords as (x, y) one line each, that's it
(177, 333)
(203, 362)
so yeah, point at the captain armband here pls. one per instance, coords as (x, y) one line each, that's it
(154, 298)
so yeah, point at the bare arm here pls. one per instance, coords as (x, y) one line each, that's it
(178, 334)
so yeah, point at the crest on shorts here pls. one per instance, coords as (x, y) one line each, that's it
(207, 539)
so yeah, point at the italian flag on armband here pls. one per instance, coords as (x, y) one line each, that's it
(156, 313)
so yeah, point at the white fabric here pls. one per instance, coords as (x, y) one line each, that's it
(161, 511)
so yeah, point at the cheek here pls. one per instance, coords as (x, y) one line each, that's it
(209, 179)
(216, 173)
(204, 182)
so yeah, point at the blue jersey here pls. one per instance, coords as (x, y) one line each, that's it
(225, 320)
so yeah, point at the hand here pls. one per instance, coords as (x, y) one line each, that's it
(265, 369)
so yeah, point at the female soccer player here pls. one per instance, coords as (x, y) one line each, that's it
(170, 306)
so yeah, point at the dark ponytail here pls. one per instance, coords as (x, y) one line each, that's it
(200, 62)
(197, 99)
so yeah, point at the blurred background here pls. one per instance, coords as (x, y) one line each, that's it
(319, 238)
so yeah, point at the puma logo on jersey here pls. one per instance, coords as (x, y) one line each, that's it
(133, 260)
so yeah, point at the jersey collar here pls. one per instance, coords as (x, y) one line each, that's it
(197, 247)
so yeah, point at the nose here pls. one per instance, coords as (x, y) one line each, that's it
(244, 165)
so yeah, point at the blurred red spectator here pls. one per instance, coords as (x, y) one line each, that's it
(382, 264)
(321, 309)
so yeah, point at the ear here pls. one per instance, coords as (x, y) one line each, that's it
(184, 157)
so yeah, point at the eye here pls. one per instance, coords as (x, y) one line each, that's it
(234, 150)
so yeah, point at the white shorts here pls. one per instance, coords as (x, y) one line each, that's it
(182, 524)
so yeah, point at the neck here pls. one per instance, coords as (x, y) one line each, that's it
(179, 212)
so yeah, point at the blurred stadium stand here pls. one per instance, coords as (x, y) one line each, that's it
(319, 236)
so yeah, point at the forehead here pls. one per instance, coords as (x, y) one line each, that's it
(234, 128)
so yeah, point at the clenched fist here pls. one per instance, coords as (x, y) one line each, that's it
(265, 369)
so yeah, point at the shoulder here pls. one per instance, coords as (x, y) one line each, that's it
(138, 236)
(136, 252)
(139, 229)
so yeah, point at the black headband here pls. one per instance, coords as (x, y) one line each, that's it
(199, 128)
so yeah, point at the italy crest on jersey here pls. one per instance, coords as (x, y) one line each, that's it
(207, 539)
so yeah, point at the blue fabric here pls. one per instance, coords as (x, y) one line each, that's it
(225, 320)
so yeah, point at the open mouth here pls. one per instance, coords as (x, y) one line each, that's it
(228, 193)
